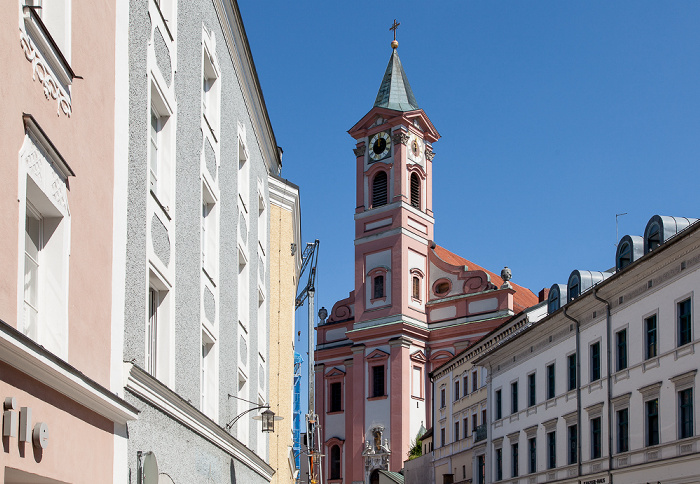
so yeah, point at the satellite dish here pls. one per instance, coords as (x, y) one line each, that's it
(149, 469)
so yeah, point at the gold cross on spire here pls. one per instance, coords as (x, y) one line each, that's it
(394, 43)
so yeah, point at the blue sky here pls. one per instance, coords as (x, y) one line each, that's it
(554, 117)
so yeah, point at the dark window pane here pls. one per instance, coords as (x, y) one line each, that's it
(595, 361)
(651, 349)
(685, 398)
(621, 349)
(652, 409)
(379, 189)
(623, 430)
(336, 397)
(550, 382)
(596, 438)
(378, 381)
(684, 323)
(572, 371)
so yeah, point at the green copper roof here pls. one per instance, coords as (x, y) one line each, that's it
(395, 91)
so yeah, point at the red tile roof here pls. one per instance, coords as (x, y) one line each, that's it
(523, 297)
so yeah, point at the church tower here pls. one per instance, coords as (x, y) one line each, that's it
(394, 214)
(413, 305)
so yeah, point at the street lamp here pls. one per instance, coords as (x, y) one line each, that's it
(268, 417)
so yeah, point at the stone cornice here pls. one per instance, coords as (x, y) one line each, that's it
(32, 359)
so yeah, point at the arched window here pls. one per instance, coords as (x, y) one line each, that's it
(624, 257)
(378, 287)
(379, 189)
(335, 462)
(416, 287)
(653, 237)
(553, 303)
(415, 191)
(574, 288)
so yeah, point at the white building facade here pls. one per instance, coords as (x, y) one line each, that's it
(603, 389)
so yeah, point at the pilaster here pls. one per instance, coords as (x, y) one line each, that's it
(356, 420)
(399, 398)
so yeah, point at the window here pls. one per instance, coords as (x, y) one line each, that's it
(475, 382)
(456, 393)
(685, 413)
(474, 423)
(595, 361)
(621, 339)
(571, 359)
(465, 388)
(465, 427)
(483, 418)
(514, 460)
(378, 381)
(653, 237)
(243, 172)
(551, 450)
(209, 382)
(442, 397)
(573, 444)
(457, 431)
(514, 397)
(623, 431)
(160, 156)
(624, 257)
(415, 288)
(378, 290)
(573, 288)
(531, 390)
(379, 189)
(532, 451)
(210, 86)
(499, 464)
(442, 287)
(335, 462)
(442, 437)
(415, 191)
(152, 331)
(550, 382)
(553, 300)
(684, 323)
(210, 233)
(650, 338)
(42, 275)
(652, 421)
(56, 16)
(336, 397)
(499, 415)
(417, 382)
(596, 438)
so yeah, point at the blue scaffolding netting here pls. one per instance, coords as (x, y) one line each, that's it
(297, 407)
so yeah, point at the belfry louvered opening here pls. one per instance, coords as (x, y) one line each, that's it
(379, 189)
(415, 191)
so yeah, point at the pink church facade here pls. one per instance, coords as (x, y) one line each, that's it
(414, 303)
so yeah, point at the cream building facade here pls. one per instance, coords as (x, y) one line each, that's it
(285, 263)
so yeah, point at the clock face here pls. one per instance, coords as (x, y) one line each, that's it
(380, 145)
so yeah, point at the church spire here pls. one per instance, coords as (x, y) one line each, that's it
(395, 91)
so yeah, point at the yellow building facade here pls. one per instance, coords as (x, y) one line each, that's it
(285, 263)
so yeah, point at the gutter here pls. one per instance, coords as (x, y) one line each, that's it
(608, 325)
(578, 390)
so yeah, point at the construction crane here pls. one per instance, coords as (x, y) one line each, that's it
(313, 432)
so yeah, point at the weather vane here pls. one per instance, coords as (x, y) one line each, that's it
(394, 43)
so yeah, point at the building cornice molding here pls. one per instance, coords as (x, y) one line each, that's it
(239, 49)
(35, 361)
(157, 394)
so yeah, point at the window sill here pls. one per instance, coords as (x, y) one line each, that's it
(382, 299)
(383, 397)
(686, 349)
(417, 398)
(336, 412)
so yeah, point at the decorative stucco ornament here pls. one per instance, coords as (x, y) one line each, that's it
(506, 275)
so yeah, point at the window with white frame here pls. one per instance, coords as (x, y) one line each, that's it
(55, 16)
(209, 380)
(262, 220)
(45, 245)
(159, 336)
(243, 171)
(210, 233)
(160, 155)
(210, 83)
(243, 289)
(262, 327)
(243, 424)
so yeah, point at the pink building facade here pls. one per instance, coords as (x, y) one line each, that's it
(62, 419)
(414, 303)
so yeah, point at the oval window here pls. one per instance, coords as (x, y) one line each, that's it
(442, 287)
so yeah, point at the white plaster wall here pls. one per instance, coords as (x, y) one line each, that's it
(436, 273)
(416, 261)
(335, 426)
